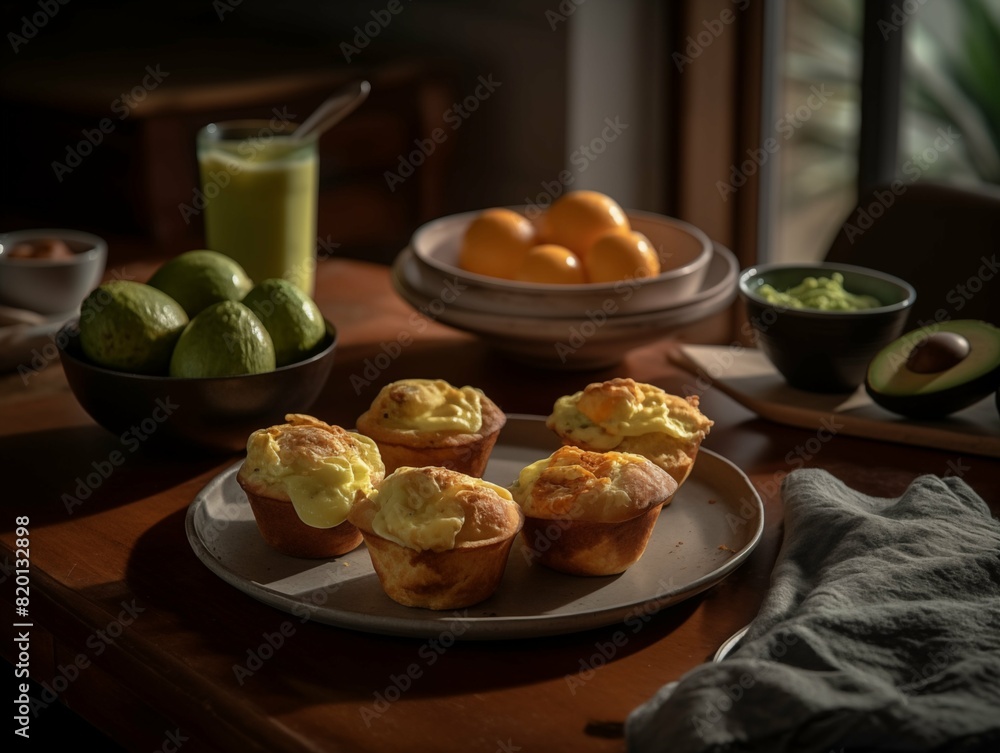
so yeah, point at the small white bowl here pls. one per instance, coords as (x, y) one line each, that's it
(51, 286)
(598, 338)
(685, 253)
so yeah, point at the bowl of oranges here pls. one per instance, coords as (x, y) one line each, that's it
(584, 248)
(574, 285)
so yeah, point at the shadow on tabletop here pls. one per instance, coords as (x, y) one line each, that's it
(277, 652)
(55, 481)
(57, 727)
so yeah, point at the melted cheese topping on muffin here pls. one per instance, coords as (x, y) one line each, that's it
(318, 467)
(574, 483)
(435, 509)
(428, 405)
(604, 413)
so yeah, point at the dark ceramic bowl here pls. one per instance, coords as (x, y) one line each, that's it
(216, 413)
(825, 351)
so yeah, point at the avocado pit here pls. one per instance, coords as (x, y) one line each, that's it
(938, 352)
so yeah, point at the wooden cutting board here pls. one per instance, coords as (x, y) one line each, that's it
(748, 377)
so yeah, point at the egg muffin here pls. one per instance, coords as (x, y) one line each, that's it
(590, 513)
(438, 539)
(629, 416)
(301, 479)
(428, 422)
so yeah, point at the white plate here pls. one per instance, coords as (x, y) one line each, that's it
(714, 522)
(729, 645)
(587, 342)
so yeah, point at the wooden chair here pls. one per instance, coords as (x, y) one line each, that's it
(943, 240)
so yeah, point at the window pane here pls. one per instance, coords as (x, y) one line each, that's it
(817, 126)
(949, 119)
(951, 116)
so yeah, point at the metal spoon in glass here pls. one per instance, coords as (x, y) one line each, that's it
(334, 109)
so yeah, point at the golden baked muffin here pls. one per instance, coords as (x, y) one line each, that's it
(629, 416)
(590, 513)
(301, 479)
(418, 422)
(438, 539)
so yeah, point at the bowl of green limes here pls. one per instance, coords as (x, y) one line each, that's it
(199, 356)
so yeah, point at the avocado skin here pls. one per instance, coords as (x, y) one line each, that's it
(940, 403)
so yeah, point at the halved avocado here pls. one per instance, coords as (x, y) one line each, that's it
(936, 370)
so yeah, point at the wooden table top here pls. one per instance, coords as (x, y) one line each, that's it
(137, 635)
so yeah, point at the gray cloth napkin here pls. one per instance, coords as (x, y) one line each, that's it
(880, 631)
(27, 339)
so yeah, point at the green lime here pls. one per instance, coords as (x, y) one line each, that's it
(225, 339)
(130, 326)
(197, 279)
(291, 317)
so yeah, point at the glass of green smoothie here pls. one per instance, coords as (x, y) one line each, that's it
(260, 188)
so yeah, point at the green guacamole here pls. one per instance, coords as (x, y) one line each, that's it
(823, 293)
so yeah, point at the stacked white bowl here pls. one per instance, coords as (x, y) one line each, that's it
(583, 326)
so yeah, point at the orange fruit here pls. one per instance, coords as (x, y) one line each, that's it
(621, 256)
(495, 243)
(552, 264)
(578, 218)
